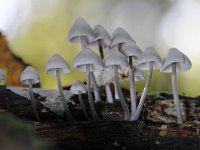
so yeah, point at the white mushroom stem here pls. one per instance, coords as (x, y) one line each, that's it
(96, 91)
(175, 95)
(132, 88)
(121, 97)
(82, 105)
(67, 112)
(33, 101)
(94, 113)
(107, 86)
(144, 93)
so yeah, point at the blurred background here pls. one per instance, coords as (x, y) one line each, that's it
(34, 30)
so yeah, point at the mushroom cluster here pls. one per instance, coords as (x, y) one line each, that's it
(118, 54)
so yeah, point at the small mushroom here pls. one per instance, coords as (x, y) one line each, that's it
(175, 61)
(102, 40)
(56, 66)
(132, 51)
(116, 60)
(149, 60)
(30, 76)
(83, 62)
(79, 88)
(2, 77)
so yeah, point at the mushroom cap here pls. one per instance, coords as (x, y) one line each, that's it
(138, 74)
(104, 77)
(147, 56)
(87, 57)
(80, 28)
(175, 56)
(2, 76)
(116, 58)
(100, 34)
(120, 35)
(77, 87)
(30, 73)
(131, 49)
(57, 62)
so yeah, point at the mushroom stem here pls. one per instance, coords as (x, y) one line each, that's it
(82, 105)
(122, 100)
(67, 112)
(144, 93)
(107, 87)
(132, 88)
(96, 91)
(94, 113)
(175, 95)
(33, 101)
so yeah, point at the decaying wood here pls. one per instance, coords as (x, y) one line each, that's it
(150, 132)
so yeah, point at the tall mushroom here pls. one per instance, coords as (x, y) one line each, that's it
(30, 76)
(175, 61)
(79, 88)
(56, 66)
(116, 60)
(132, 51)
(149, 60)
(120, 37)
(102, 40)
(83, 62)
(81, 32)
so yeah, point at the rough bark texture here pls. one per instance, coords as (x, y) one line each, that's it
(151, 132)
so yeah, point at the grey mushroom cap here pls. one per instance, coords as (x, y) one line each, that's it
(116, 58)
(183, 63)
(121, 36)
(100, 34)
(147, 56)
(87, 57)
(138, 74)
(80, 28)
(131, 49)
(30, 73)
(2, 76)
(57, 62)
(77, 87)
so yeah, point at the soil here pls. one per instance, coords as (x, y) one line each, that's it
(156, 129)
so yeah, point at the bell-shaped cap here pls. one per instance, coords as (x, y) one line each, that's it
(57, 62)
(77, 87)
(100, 34)
(175, 56)
(87, 57)
(149, 55)
(80, 28)
(131, 49)
(30, 74)
(2, 76)
(121, 36)
(115, 58)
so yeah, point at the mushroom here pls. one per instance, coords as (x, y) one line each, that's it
(2, 77)
(56, 66)
(176, 61)
(102, 40)
(81, 32)
(30, 76)
(132, 51)
(83, 62)
(119, 37)
(149, 60)
(116, 60)
(79, 88)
